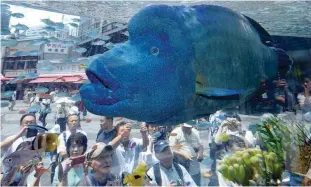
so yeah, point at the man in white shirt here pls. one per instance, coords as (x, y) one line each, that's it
(73, 123)
(167, 172)
(191, 151)
(130, 148)
(10, 144)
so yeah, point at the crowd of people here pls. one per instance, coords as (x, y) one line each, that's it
(173, 156)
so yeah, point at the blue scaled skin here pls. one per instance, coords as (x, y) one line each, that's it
(179, 63)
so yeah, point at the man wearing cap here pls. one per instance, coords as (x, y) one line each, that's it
(99, 162)
(167, 172)
(191, 151)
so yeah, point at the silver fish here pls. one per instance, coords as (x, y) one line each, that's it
(9, 176)
(19, 158)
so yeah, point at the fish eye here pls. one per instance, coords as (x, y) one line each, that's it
(155, 51)
(9, 159)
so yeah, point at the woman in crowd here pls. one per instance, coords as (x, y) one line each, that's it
(304, 98)
(71, 172)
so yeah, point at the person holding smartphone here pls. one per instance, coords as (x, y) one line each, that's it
(71, 172)
(11, 143)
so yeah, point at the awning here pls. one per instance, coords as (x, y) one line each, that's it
(43, 79)
(60, 78)
(3, 78)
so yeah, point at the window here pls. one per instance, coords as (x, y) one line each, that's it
(9, 65)
(21, 65)
(97, 25)
(58, 35)
(31, 65)
(56, 50)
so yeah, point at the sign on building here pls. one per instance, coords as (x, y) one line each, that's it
(54, 47)
(60, 67)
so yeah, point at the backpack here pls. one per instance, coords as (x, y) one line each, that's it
(157, 173)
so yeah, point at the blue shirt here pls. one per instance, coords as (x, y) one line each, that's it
(106, 137)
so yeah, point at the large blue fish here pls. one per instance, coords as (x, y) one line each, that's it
(181, 63)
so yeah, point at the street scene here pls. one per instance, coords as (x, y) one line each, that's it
(155, 93)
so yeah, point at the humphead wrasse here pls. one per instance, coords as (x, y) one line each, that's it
(181, 63)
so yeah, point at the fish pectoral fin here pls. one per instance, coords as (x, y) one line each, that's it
(219, 92)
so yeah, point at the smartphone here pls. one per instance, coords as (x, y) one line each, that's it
(77, 160)
(31, 133)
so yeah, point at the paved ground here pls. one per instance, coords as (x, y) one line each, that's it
(10, 126)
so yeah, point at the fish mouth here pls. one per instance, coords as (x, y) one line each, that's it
(103, 88)
(96, 79)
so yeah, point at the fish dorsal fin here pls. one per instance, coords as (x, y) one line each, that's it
(219, 93)
(265, 37)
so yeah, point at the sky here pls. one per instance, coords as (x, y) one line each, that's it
(33, 16)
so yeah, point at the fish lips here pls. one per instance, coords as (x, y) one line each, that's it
(103, 89)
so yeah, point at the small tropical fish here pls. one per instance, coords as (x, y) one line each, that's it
(100, 42)
(48, 22)
(92, 33)
(53, 39)
(17, 15)
(204, 124)
(44, 33)
(80, 50)
(109, 45)
(21, 27)
(17, 79)
(83, 66)
(4, 104)
(68, 43)
(51, 141)
(84, 60)
(59, 25)
(137, 177)
(5, 6)
(31, 75)
(9, 42)
(41, 90)
(74, 60)
(20, 53)
(119, 25)
(40, 42)
(34, 109)
(49, 29)
(34, 52)
(126, 33)
(76, 97)
(76, 20)
(74, 25)
(105, 37)
(48, 67)
(5, 31)
(75, 39)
